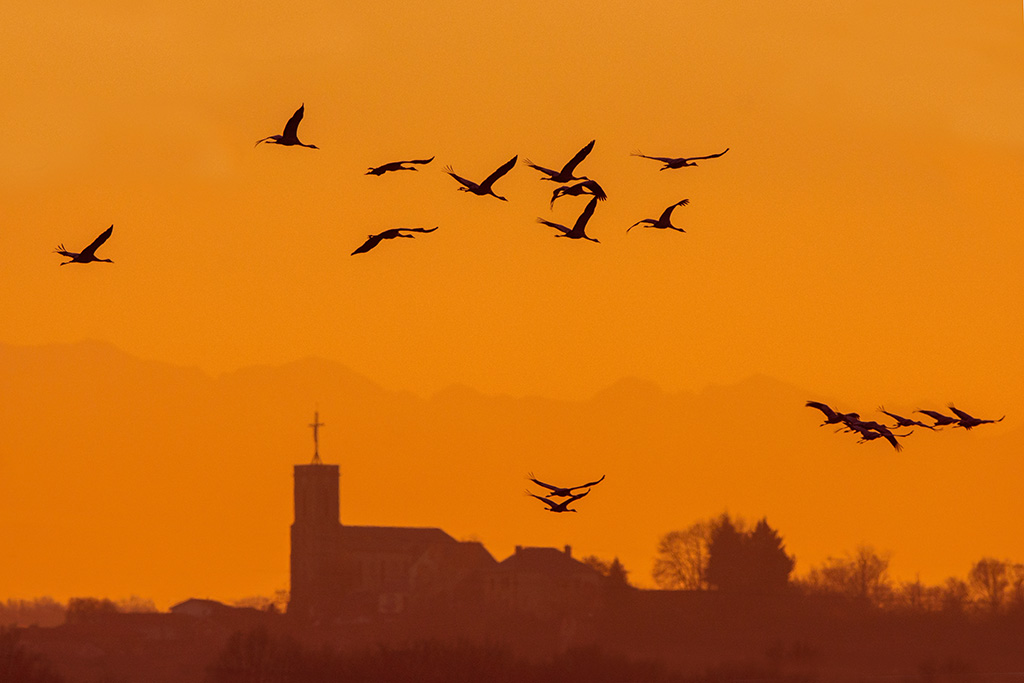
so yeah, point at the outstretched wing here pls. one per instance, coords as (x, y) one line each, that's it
(566, 503)
(580, 156)
(710, 156)
(468, 183)
(291, 129)
(419, 161)
(829, 413)
(91, 249)
(961, 414)
(581, 224)
(538, 482)
(664, 160)
(667, 213)
(556, 226)
(502, 170)
(417, 229)
(593, 483)
(546, 501)
(547, 171)
(369, 244)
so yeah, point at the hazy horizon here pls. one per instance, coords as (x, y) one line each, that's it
(232, 424)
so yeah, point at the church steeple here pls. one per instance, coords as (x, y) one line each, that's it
(316, 437)
(314, 535)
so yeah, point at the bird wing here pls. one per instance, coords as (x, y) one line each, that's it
(369, 244)
(468, 183)
(593, 483)
(935, 415)
(501, 170)
(549, 503)
(667, 213)
(91, 249)
(891, 438)
(548, 171)
(829, 413)
(417, 229)
(577, 497)
(661, 159)
(581, 223)
(291, 129)
(418, 161)
(556, 226)
(538, 482)
(580, 156)
(961, 414)
(882, 409)
(710, 156)
(595, 188)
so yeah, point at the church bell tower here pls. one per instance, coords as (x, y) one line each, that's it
(315, 535)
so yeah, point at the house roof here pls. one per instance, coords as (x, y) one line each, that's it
(543, 561)
(391, 538)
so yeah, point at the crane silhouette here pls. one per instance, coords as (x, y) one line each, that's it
(562, 506)
(290, 137)
(664, 221)
(678, 162)
(88, 254)
(969, 421)
(586, 187)
(374, 240)
(566, 174)
(940, 419)
(397, 166)
(904, 421)
(832, 417)
(578, 227)
(564, 491)
(871, 433)
(484, 187)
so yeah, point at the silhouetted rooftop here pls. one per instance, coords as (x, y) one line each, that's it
(544, 561)
(374, 538)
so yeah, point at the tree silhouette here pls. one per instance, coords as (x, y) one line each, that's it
(682, 559)
(862, 575)
(614, 572)
(988, 580)
(754, 561)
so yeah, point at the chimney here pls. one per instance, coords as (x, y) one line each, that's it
(568, 550)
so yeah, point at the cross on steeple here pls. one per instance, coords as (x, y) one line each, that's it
(316, 424)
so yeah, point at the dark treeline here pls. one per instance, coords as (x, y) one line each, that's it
(259, 656)
(721, 554)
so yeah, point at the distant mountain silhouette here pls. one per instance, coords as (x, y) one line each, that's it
(158, 480)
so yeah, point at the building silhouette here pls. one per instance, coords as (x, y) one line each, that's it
(340, 571)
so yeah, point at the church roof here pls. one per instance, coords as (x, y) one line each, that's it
(391, 538)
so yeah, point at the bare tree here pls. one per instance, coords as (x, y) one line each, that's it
(682, 560)
(862, 575)
(956, 595)
(988, 580)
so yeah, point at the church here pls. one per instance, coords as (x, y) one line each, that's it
(340, 571)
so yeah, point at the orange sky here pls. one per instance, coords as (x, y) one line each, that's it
(862, 238)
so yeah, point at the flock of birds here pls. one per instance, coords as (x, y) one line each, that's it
(869, 430)
(565, 492)
(570, 185)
